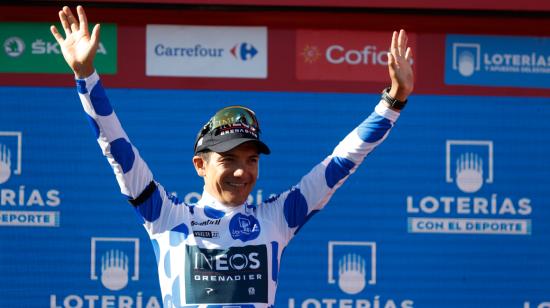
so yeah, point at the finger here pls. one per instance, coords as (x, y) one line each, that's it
(82, 19)
(392, 63)
(405, 41)
(57, 35)
(393, 47)
(71, 19)
(402, 42)
(65, 23)
(94, 39)
(408, 55)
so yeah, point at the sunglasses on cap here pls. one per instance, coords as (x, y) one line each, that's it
(230, 127)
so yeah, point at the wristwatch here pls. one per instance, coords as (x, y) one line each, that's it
(393, 102)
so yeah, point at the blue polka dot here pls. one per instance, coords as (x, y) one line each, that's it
(167, 269)
(100, 102)
(123, 153)
(373, 128)
(175, 199)
(81, 86)
(156, 249)
(337, 169)
(178, 235)
(150, 208)
(295, 208)
(274, 260)
(167, 302)
(176, 292)
(213, 213)
(93, 125)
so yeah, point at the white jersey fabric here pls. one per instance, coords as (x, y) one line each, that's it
(210, 255)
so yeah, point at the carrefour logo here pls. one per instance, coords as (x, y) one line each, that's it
(206, 51)
(469, 165)
(244, 51)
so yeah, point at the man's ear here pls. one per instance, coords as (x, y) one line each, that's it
(200, 165)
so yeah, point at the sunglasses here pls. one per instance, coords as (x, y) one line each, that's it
(229, 119)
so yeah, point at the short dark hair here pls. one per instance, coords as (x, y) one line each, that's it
(205, 155)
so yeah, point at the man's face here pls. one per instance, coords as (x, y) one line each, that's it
(230, 176)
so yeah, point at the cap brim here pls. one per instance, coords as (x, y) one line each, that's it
(233, 143)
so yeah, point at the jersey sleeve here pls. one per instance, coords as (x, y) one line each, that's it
(315, 189)
(158, 210)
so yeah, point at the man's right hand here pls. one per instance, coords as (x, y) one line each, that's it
(78, 46)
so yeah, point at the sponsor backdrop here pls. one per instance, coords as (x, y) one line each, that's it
(498, 61)
(31, 48)
(452, 211)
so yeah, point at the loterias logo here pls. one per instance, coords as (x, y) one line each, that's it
(466, 58)
(21, 205)
(469, 165)
(114, 262)
(352, 267)
(206, 51)
(498, 61)
(343, 55)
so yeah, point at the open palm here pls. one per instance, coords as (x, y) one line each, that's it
(78, 47)
(399, 66)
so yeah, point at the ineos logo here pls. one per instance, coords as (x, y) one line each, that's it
(224, 262)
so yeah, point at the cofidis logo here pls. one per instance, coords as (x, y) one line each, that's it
(476, 208)
(206, 51)
(21, 205)
(497, 61)
(352, 269)
(343, 55)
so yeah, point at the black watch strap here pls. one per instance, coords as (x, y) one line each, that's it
(394, 103)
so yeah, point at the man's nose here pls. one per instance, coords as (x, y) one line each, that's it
(239, 171)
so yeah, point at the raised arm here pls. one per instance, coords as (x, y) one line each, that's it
(78, 46)
(316, 188)
(79, 49)
(399, 66)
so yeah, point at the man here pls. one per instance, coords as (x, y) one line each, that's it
(223, 251)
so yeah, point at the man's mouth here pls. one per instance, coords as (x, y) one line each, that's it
(237, 185)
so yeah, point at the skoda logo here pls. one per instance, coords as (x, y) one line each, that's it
(14, 46)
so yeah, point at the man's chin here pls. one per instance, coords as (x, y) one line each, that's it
(234, 201)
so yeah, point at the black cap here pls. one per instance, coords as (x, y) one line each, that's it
(229, 128)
